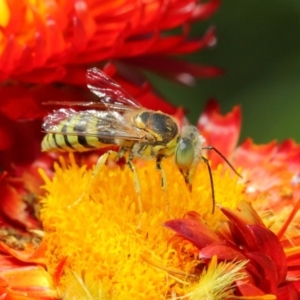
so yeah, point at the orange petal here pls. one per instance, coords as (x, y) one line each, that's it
(248, 154)
(220, 131)
(27, 255)
(19, 280)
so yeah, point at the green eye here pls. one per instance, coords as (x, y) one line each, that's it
(185, 152)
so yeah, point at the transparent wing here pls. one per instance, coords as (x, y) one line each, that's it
(102, 124)
(51, 121)
(109, 92)
(98, 105)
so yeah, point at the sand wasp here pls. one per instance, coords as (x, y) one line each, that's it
(118, 119)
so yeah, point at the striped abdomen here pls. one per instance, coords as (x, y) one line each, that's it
(78, 132)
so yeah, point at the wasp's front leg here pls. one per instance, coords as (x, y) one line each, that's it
(162, 171)
(160, 168)
(98, 168)
(137, 185)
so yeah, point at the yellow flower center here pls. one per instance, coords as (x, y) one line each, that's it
(105, 253)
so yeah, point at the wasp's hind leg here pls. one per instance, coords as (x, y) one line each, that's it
(137, 186)
(98, 168)
(160, 168)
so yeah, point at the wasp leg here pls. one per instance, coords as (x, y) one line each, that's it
(163, 179)
(188, 176)
(137, 185)
(211, 183)
(98, 167)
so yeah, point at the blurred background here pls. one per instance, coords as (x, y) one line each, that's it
(259, 49)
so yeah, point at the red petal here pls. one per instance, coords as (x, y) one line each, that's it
(248, 154)
(194, 231)
(220, 131)
(245, 214)
(14, 208)
(268, 276)
(248, 289)
(206, 9)
(293, 264)
(146, 96)
(223, 231)
(242, 234)
(267, 243)
(19, 102)
(287, 292)
(175, 69)
(289, 152)
(223, 252)
(6, 133)
(59, 271)
(179, 115)
(296, 285)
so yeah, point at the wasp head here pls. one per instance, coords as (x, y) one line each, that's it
(188, 152)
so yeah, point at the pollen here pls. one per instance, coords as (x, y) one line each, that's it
(105, 253)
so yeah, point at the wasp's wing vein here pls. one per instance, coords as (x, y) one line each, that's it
(101, 124)
(109, 91)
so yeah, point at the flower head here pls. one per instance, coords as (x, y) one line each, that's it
(47, 41)
(122, 252)
(102, 245)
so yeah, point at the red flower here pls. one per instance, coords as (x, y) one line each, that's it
(243, 237)
(55, 41)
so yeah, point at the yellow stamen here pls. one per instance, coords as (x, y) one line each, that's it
(217, 281)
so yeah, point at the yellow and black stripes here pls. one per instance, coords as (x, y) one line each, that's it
(77, 133)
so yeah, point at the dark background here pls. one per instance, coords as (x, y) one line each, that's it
(259, 48)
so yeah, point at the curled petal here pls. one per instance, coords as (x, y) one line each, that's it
(249, 289)
(222, 251)
(193, 230)
(244, 215)
(268, 280)
(239, 220)
(257, 237)
(267, 243)
(288, 292)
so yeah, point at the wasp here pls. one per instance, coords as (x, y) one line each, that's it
(118, 119)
